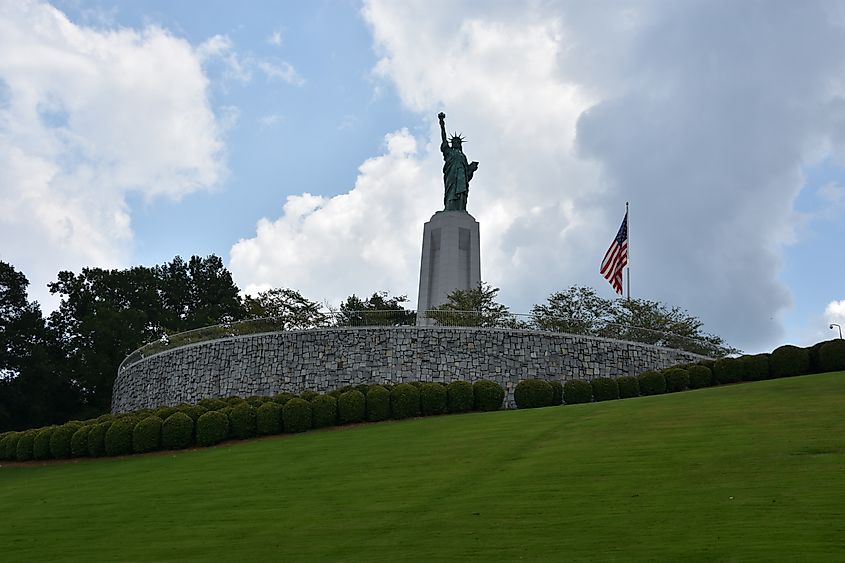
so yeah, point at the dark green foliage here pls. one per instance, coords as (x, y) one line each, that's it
(404, 401)
(459, 396)
(487, 395)
(651, 383)
(832, 356)
(363, 388)
(727, 370)
(268, 418)
(417, 384)
(432, 399)
(788, 361)
(212, 428)
(282, 398)
(533, 393)
(8, 445)
(309, 395)
(754, 367)
(212, 404)
(164, 412)
(177, 431)
(699, 376)
(296, 415)
(388, 386)
(61, 438)
(336, 393)
(557, 392)
(577, 391)
(677, 379)
(146, 436)
(629, 386)
(23, 449)
(97, 438)
(813, 354)
(79, 441)
(41, 443)
(118, 439)
(378, 403)
(605, 389)
(232, 401)
(323, 411)
(242, 423)
(256, 400)
(194, 411)
(105, 418)
(351, 407)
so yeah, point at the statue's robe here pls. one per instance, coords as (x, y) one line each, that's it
(456, 176)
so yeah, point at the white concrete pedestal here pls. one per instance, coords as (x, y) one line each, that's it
(451, 259)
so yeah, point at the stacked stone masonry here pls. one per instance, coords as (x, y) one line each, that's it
(326, 359)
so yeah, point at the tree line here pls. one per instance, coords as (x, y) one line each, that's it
(62, 366)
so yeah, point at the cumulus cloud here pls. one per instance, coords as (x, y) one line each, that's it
(88, 116)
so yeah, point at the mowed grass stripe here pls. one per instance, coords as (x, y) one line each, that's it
(746, 472)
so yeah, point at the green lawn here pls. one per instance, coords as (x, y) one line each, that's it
(751, 472)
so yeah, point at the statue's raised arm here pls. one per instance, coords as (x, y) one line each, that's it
(442, 117)
(457, 172)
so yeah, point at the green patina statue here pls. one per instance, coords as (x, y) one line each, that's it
(457, 172)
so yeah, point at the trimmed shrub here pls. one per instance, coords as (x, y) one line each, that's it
(628, 386)
(146, 436)
(405, 401)
(232, 401)
(433, 399)
(362, 388)
(268, 419)
(79, 441)
(727, 370)
(699, 376)
(177, 431)
(257, 400)
(296, 415)
(41, 443)
(8, 445)
(677, 379)
(242, 423)
(487, 395)
(105, 418)
(97, 438)
(351, 407)
(378, 403)
(323, 411)
(533, 393)
(832, 356)
(118, 440)
(194, 411)
(605, 389)
(459, 396)
(23, 449)
(309, 395)
(557, 392)
(651, 383)
(789, 361)
(212, 428)
(164, 412)
(813, 354)
(282, 398)
(754, 368)
(60, 446)
(577, 391)
(417, 384)
(212, 404)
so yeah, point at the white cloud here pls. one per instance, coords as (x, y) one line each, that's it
(835, 312)
(88, 116)
(275, 38)
(241, 68)
(270, 120)
(280, 70)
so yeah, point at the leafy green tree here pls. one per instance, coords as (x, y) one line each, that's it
(380, 309)
(577, 310)
(286, 309)
(475, 307)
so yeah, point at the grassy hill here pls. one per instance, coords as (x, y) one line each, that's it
(744, 472)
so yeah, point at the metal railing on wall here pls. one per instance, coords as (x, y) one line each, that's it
(428, 319)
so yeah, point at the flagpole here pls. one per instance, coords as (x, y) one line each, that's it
(629, 250)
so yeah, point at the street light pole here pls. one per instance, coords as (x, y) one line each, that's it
(837, 326)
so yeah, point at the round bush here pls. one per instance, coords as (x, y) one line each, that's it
(212, 404)
(487, 395)
(79, 441)
(8, 445)
(813, 353)
(97, 438)
(242, 421)
(146, 436)
(23, 449)
(727, 370)
(296, 415)
(282, 398)
(433, 399)
(699, 376)
(268, 419)
(232, 401)
(194, 411)
(417, 384)
(323, 411)
(405, 401)
(212, 428)
(533, 393)
(60, 441)
(557, 392)
(754, 367)
(605, 389)
(41, 443)
(651, 383)
(177, 431)
(789, 361)
(118, 439)
(378, 403)
(363, 388)
(164, 412)
(351, 407)
(309, 395)
(677, 379)
(459, 396)
(628, 387)
(256, 400)
(577, 391)
(832, 356)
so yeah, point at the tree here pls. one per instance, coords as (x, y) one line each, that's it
(475, 307)
(285, 309)
(577, 310)
(380, 309)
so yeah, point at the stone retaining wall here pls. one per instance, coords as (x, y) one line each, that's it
(325, 359)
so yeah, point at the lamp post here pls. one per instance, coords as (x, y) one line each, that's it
(837, 326)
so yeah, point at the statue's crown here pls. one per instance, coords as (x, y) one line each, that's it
(458, 137)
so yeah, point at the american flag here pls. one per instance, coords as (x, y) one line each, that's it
(616, 257)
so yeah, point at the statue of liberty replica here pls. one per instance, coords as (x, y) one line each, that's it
(457, 172)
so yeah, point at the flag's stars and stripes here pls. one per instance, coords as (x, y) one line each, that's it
(616, 257)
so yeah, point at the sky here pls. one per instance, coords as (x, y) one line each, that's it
(299, 142)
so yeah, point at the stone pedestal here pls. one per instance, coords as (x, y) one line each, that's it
(451, 259)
